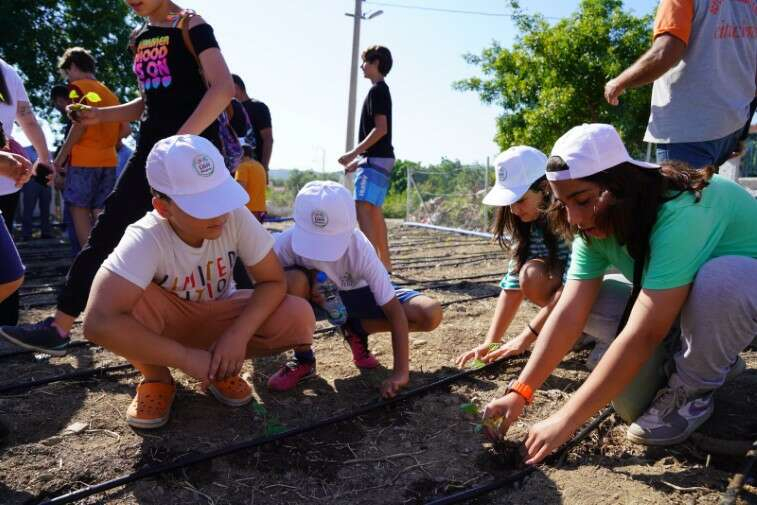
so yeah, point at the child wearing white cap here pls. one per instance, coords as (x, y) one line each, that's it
(688, 239)
(165, 298)
(325, 239)
(539, 257)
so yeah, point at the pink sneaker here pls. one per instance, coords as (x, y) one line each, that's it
(290, 374)
(361, 356)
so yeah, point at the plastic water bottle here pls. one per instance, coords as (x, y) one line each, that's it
(337, 312)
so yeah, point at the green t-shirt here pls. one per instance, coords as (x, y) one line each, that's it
(686, 235)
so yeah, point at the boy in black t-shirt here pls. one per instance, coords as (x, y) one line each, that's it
(373, 158)
(260, 117)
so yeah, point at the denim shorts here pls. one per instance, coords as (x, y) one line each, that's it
(11, 268)
(88, 187)
(361, 304)
(372, 180)
(700, 154)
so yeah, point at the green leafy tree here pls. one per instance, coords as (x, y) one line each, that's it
(35, 34)
(553, 77)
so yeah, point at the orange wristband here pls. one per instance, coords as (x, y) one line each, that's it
(524, 390)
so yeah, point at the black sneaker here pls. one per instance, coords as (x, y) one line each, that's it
(42, 337)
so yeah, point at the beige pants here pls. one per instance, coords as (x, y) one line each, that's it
(199, 324)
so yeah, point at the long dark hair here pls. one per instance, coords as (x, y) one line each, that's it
(633, 195)
(506, 223)
(5, 96)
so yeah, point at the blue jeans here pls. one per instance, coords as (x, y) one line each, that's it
(700, 154)
(34, 192)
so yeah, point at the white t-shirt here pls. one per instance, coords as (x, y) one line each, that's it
(17, 94)
(151, 251)
(360, 266)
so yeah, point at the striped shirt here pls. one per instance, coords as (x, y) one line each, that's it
(536, 249)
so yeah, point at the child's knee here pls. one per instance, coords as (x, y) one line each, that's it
(536, 283)
(298, 283)
(430, 316)
(301, 314)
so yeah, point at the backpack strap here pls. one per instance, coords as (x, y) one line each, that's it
(182, 22)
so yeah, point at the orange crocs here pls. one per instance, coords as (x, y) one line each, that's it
(233, 391)
(151, 406)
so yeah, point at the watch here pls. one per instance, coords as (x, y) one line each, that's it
(522, 389)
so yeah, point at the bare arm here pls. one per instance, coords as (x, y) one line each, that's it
(380, 129)
(230, 350)
(665, 53)
(109, 322)
(130, 111)
(651, 318)
(28, 121)
(266, 137)
(219, 94)
(74, 135)
(508, 303)
(400, 331)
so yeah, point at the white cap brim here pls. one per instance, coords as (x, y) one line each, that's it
(567, 175)
(499, 196)
(318, 246)
(225, 197)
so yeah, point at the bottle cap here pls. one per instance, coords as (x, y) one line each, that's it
(321, 277)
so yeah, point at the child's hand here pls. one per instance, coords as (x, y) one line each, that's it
(391, 386)
(514, 347)
(347, 158)
(509, 408)
(229, 353)
(83, 114)
(478, 352)
(197, 363)
(15, 167)
(351, 167)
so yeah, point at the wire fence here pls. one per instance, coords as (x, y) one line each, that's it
(448, 197)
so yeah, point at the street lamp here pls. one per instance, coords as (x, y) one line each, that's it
(357, 16)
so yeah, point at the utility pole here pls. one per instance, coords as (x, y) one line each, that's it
(357, 16)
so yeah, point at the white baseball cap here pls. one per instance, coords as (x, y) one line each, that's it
(191, 172)
(589, 149)
(516, 169)
(324, 221)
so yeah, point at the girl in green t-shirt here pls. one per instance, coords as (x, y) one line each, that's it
(696, 236)
(521, 195)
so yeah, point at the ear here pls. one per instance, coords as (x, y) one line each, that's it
(162, 206)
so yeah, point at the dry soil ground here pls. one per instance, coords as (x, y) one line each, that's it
(62, 436)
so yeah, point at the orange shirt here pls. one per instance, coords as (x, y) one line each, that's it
(251, 175)
(97, 146)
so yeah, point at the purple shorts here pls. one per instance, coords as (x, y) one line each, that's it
(88, 187)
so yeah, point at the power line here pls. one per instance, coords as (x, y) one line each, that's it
(450, 11)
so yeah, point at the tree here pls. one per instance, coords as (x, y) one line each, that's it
(35, 34)
(553, 77)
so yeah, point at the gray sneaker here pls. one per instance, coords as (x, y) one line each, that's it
(42, 337)
(671, 418)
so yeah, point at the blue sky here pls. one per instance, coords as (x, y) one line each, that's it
(295, 56)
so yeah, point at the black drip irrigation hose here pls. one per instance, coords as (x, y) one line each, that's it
(456, 262)
(192, 459)
(469, 494)
(90, 372)
(78, 374)
(739, 479)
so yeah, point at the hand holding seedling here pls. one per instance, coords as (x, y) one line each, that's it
(81, 113)
(509, 408)
(477, 354)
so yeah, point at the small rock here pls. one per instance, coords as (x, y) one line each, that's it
(44, 477)
(419, 342)
(75, 428)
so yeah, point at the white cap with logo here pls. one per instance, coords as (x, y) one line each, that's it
(324, 221)
(589, 149)
(191, 172)
(516, 169)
